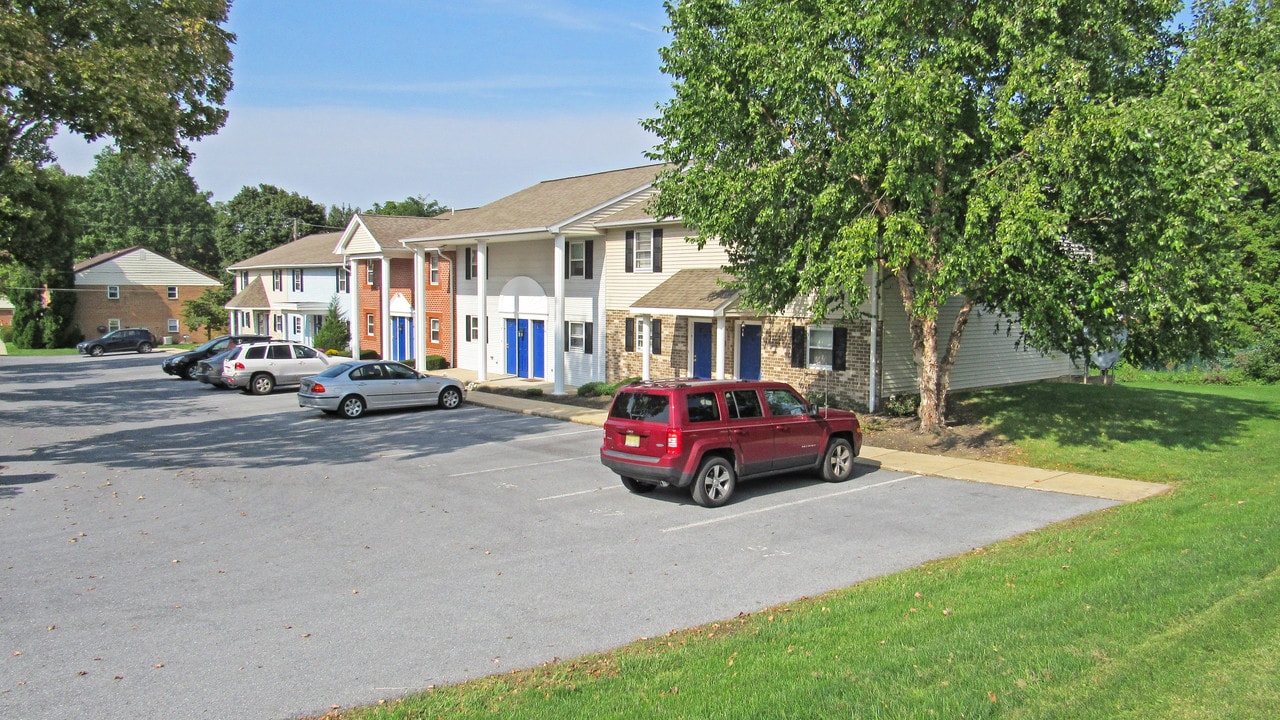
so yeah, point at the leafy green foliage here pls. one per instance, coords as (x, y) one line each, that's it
(208, 311)
(335, 332)
(260, 218)
(416, 206)
(127, 201)
(150, 75)
(1050, 159)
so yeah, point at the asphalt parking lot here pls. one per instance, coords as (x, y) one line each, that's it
(169, 550)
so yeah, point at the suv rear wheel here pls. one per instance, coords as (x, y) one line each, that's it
(714, 483)
(837, 461)
(262, 384)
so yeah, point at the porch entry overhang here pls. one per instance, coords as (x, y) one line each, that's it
(694, 292)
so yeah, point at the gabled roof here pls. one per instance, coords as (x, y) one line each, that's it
(311, 250)
(547, 205)
(698, 292)
(145, 257)
(253, 297)
(104, 257)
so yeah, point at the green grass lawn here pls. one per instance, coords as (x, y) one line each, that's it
(1165, 609)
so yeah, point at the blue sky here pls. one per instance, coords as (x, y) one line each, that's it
(461, 101)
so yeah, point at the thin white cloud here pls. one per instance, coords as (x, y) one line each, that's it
(359, 157)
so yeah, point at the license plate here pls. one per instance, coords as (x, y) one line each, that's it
(631, 440)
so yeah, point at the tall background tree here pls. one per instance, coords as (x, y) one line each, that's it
(127, 201)
(928, 143)
(150, 75)
(260, 218)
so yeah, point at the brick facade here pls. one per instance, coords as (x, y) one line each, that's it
(370, 304)
(438, 303)
(138, 307)
(847, 388)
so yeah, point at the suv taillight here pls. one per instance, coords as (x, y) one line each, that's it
(673, 442)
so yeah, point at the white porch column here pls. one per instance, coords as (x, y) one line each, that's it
(482, 307)
(384, 286)
(419, 311)
(720, 345)
(645, 326)
(353, 313)
(557, 317)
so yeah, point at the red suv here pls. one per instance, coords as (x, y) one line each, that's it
(711, 433)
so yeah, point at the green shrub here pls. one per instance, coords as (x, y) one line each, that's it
(901, 405)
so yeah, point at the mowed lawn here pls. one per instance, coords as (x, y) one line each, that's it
(1168, 608)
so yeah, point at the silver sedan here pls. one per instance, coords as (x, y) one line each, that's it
(351, 388)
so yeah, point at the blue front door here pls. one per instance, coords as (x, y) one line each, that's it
(702, 350)
(401, 338)
(749, 352)
(518, 348)
(539, 354)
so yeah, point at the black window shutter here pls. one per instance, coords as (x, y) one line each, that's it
(839, 338)
(590, 261)
(629, 344)
(657, 250)
(630, 261)
(566, 336)
(798, 346)
(587, 333)
(655, 332)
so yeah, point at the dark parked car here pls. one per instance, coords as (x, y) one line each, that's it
(184, 365)
(710, 433)
(122, 340)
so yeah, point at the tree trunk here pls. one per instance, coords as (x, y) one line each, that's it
(933, 370)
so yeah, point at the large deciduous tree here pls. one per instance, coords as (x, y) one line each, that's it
(260, 218)
(826, 139)
(151, 75)
(127, 201)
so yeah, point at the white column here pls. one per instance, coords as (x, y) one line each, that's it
(557, 317)
(720, 337)
(644, 324)
(354, 321)
(482, 307)
(419, 311)
(384, 286)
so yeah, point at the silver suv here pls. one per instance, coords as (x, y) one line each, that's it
(261, 367)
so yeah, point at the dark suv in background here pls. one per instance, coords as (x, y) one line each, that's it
(122, 340)
(708, 434)
(185, 365)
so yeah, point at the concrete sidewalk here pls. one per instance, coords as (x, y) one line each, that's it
(1058, 481)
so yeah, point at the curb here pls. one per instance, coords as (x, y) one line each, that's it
(944, 466)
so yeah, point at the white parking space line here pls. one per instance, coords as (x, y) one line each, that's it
(581, 492)
(524, 465)
(771, 508)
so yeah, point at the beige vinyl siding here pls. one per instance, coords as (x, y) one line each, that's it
(987, 356)
(142, 268)
(624, 288)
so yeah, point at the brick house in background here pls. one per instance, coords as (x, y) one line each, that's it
(136, 287)
(385, 318)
